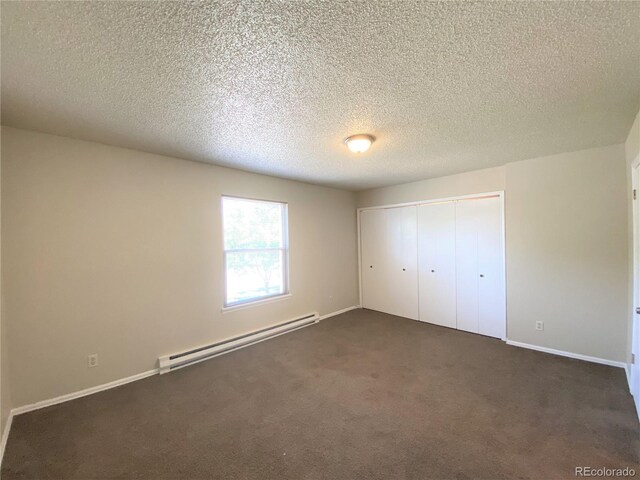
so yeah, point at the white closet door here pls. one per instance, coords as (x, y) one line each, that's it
(436, 263)
(402, 271)
(374, 259)
(480, 267)
(439, 263)
(389, 262)
(491, 290)
(467, 265)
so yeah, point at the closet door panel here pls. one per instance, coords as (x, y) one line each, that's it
(436, 263)
(440, 263)
(373, 246)
(402, 271)
(491, 301)
(467, 274)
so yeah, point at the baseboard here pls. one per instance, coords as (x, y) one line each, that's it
(116, 383)
(65, 398)
(82, 393)
(562, 353)
(5, 436)
(344, 310)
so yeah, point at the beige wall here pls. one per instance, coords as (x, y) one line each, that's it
(5, 392)
(632, 145)
(479, 181)
(567, 252)
(5, 387)
(118, 252)
(566, 245)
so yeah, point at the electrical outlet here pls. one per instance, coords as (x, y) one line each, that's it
(539, 325)
(93, 360)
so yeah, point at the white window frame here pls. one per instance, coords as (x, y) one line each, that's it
(285, 257)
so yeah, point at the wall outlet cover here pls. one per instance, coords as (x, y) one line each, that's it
(92, 360)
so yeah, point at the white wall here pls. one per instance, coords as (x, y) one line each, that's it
(632, 149)
(566, 245)
(118, 252)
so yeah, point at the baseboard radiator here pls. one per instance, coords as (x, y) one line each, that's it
(169, 363)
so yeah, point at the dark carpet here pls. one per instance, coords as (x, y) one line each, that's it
(363, 395)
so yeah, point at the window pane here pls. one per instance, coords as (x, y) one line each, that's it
(252, 224)
(252, 275)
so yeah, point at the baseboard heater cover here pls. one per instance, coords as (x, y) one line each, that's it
(169, 363)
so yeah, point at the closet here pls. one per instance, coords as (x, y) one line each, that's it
(437, 262)
(389, 260)
(480, 267)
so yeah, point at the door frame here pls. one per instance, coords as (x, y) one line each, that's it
(633, 369)
(473, 196)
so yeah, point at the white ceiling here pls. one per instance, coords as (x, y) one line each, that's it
(275, 86)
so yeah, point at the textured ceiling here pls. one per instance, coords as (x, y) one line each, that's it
(275, 86)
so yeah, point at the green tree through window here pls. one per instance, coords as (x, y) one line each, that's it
(255, 245)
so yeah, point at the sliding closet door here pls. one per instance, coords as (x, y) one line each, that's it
(437, 263)
(374, 259)
(491, 288)
(402, 273)
(480, 267)
(467, 265)
(389, 265)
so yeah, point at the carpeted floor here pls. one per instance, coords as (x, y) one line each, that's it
(360, 396)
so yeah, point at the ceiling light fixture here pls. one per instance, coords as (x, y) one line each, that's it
(359, 143)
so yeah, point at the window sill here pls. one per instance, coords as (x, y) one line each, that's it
(255, 303)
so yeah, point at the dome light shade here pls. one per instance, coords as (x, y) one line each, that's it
(359, 143)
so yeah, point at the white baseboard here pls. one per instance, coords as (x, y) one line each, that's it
(116, 383)
(627, 370)
(99, 388)
(82, 393)
(5, 436)
(562, 353)
(65, 398)
(344, 310)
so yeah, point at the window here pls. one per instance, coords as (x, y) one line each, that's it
(256, 250)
